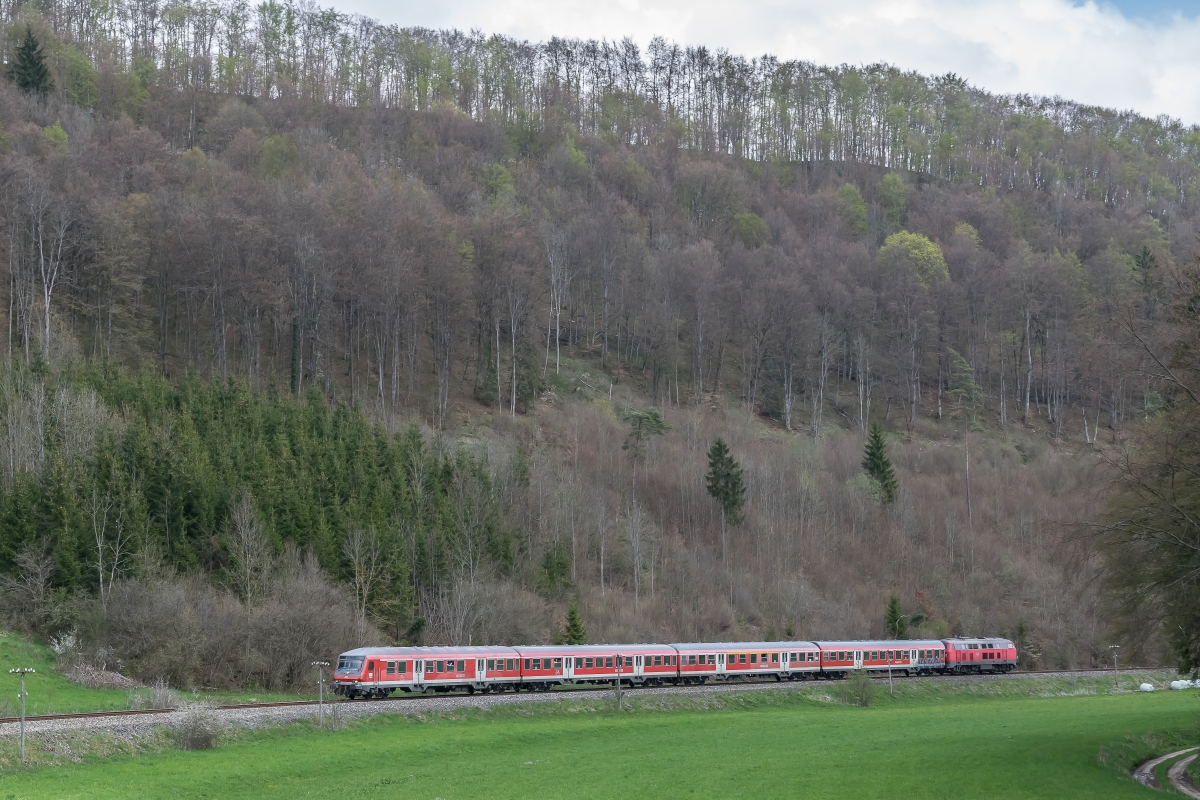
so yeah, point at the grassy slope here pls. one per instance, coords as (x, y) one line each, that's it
(969, 744)
(51, 693)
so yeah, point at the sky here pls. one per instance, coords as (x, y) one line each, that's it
(1125, 54)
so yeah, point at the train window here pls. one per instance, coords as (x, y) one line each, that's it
(657, 661)
(608, 662)
(441, 667)
(558, 663)
(537, 663)
(589, 663)
(731, 658)
(429, 666)
(741, 658)
(754, 658)
(774, 658)
(462, 666)
(402, 667)
(491, 663)
(629, 661)
(527, 663)
(391, 668)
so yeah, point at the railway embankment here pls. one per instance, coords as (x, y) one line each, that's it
(128, 725)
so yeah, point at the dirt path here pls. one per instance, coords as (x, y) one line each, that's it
(1144, 773)
(1179, 778)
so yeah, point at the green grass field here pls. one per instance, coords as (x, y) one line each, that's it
(51, 693)
(927, 742)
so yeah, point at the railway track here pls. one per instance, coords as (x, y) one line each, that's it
(561, 691)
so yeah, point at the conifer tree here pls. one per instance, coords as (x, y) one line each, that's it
(895, 620)
(725, 485)
(28, 69)
(877, 464)
(576, 633)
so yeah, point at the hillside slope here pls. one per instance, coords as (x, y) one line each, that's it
(511, 272)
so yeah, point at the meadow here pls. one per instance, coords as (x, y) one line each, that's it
(1053, 738)
(50, 692)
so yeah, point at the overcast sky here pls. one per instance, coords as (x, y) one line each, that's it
(1129, 54)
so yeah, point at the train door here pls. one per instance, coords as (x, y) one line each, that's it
(418, 672)
(568, 668)
(638, 666)
(720, 664)
(480, 669)
(858, 659)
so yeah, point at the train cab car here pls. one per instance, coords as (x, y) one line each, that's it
(966, 654)
(373, 672)
(778, 660)
(379, 671)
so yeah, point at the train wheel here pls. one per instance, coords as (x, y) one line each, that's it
(470, 690)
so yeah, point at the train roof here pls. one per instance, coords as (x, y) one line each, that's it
(881, 643)
(429, 652)
(743, 645)
(604, 649)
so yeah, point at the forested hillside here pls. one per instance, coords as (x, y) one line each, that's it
(391, 295)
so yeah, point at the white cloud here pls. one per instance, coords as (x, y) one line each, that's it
(1090, 53)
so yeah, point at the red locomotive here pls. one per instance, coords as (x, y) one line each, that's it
(379, 671)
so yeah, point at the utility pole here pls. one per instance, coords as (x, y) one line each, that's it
(1113, 648)
(620, 700)
(320, 665)
(22, 671)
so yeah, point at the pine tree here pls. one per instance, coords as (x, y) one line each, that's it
(29, 70)
(877, 464)
(895, 620)
(725, 485)
(576, 633)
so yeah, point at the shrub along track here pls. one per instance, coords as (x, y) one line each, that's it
(255, 715)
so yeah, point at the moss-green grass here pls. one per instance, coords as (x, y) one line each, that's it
(924, 742)
(51, 693)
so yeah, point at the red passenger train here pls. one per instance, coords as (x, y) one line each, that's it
(379, 671)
